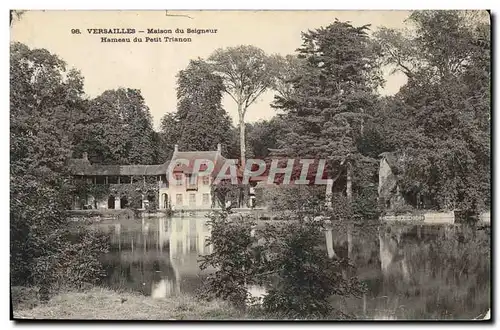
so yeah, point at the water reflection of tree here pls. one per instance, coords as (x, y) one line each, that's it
(448, 272)
(153, 254)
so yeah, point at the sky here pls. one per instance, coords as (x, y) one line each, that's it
(152, 66)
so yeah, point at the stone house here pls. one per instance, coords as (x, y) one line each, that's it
(389, 193)
(189, 191)
(149, 182)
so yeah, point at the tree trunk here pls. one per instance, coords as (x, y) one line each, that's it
(361, 129)
(242, 135)
(349, 198)
(349, 241)
(329, 193)
(349, 182)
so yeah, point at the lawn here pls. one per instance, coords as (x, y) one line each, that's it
(105, 304)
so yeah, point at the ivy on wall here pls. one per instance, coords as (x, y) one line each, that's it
(134, 192)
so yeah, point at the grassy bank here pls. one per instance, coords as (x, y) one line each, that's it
(99, 303)
(106, 304)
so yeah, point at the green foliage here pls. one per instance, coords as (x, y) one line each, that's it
(168, 135)
(439, 122)
(287, 259)
(234, 259)
(44, 96)
(199, 112)
(301, 199)
(262, 136)
(75, 262)
(246, 71)
(116, 128)
(304, 277)
(287, 71)
(365, 206)
(332, 99)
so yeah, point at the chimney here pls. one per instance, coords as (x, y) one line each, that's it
(176, 148)
(219, 148)
(85, 156)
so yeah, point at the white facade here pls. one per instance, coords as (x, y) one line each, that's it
(181, 194)
(188, 191)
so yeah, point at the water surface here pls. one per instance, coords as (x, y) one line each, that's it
(411, 273)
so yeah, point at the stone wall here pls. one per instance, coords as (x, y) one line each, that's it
(439, 217)
(426, 217)
(485, 217)
(404, 218)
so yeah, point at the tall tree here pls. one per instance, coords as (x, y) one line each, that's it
(287, 71)
(199, 109)
(117, 129)
(41, 104)
(262, 136)
(169, 135)
(200, 122)
(247, 73)
(332, 98)
(445, 134)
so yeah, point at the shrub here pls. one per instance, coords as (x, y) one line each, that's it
(298, 198)
(45, 252)
(234, 258)
(305, 278)
(286, 258)
(75, 263)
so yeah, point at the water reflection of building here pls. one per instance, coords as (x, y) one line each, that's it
(393, 260)
(358, 245)
(154, 256)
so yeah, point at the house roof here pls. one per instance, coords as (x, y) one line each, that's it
(81, 166)
(160, 169)
(191, 156)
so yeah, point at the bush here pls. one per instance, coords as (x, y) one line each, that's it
(234, 257)
(45, 252)
(75, 263)
(295, 197)
(305, 278)
(286, 258)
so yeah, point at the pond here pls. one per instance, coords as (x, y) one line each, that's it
(411, 272)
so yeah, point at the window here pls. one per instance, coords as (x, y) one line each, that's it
(192, 199)
(191, 182)
(125, 179)
(206, 180)
(178, 179)
(206, 199)
(178, 199)
(112, 179)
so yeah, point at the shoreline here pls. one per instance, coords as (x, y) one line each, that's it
(98, 303)
(106, 304)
